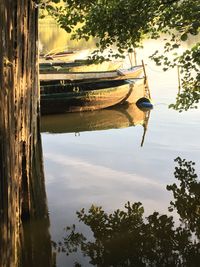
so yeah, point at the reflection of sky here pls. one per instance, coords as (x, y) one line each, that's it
(109, 168)
(98, 163)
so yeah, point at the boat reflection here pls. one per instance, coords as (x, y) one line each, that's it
(111, 118)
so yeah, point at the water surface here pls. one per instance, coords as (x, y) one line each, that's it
(94, 159)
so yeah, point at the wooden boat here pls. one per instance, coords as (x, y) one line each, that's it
(122, 116)
(120, 74)
(84, 96)
(78, 65)
(52, 55)
(60, 66)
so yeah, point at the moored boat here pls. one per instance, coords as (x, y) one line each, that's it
(60, 66)
(120, 74)
(77, 65)
(69, 55)
(85, 96)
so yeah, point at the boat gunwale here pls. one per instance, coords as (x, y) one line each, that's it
(64, 75)
(102, 83)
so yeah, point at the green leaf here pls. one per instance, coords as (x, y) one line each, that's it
(184, 37)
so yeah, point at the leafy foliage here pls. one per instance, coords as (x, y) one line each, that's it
(124, 24)
(126, 238)
(188, 64)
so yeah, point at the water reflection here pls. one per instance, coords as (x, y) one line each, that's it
(52, 37)
(36, 244)
(111, 118)
(127, 238)
(24, 234)
(109, 169)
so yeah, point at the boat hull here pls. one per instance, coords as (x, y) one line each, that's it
(53, 67)
(87, 100)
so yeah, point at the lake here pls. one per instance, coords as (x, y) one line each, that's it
(105, 165)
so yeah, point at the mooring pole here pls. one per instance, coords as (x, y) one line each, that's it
(146, 81)
(179, 80)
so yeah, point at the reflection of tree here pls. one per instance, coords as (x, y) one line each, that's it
(186, 195)
(126, 238)
(54, 37)
(36, 243)
(25, 240)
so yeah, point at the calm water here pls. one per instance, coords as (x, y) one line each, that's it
(106, 166)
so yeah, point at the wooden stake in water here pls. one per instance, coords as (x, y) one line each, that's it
(130, 59)
(130, 55)
(135, 57)
(146, 81)
(179, 80)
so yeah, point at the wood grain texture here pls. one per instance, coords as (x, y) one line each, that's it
(19, 107)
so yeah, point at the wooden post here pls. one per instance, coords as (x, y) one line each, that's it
(135, 57)
(179, 80)
(131, 58)
(147, 90)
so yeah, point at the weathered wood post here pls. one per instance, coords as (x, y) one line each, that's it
(19, 113)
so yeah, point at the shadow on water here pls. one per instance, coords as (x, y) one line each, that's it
(25, 241)
(127, 238)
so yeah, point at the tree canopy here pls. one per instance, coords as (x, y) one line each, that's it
(125, 23)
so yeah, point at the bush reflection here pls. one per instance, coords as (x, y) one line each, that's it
(127, 238)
